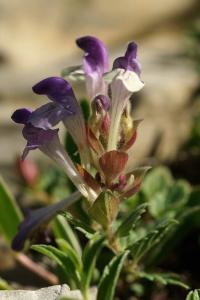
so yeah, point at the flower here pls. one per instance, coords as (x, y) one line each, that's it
(64, 107)
(38, 217)
(104, 142)
(95, 64)
(48, 142)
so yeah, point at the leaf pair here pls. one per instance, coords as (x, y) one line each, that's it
(162, 278)
(193, 295)
(141, 247)
(77, 265)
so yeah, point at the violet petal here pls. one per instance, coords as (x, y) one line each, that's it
(39, 217)
(128, 61)
(21, 115)
(48, 115)
(59, 91)
(96, 55)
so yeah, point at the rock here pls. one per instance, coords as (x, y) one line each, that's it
(50, 293)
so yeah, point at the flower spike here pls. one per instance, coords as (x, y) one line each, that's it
(105, 175)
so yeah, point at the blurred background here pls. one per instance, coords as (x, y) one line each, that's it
(37, 40)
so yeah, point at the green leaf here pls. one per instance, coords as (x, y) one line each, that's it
(194, 197)
(62, 230)
(61, 259)
(146, 243)
(105, 208)
(178, 194)
(157, 180)
(188, 218)
(162, 278)
(89, 258)
(168, 202)
(110, 277)
(71, 148)
(193, 295)
(70, 252)
(85, 108)
(80, 225)
(131, 221)
(10, 213)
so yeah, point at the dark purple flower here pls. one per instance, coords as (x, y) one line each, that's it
(96, 56)
(63, 105)
(35, 137)
(128, 61)
(21, 115)
(95, 64)
(39, 217)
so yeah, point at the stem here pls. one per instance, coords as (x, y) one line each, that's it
(86, 294)
(37, 269)
(112, 241)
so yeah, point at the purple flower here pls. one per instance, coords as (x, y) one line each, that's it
(47, 141)
(35, 137)
(64, 107)
(21, 115)
(95, 64)
(128, 61)
(63, 104)
(96, 56)
(39, 217)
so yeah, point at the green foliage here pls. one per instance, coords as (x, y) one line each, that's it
(146, 243)
(105, 209)
(173, 209)
(194, 140)
(80, 225)
(70, 252)
(85, 108)
(156, 181)
(78, 270)
(61, 259)
(62, 230)
(90, 254)
(166, 196)
(162, 278)
(110, 277)
(130, 222)
(4, 285)
(10, 214)
(55, 183)
(193, 295)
